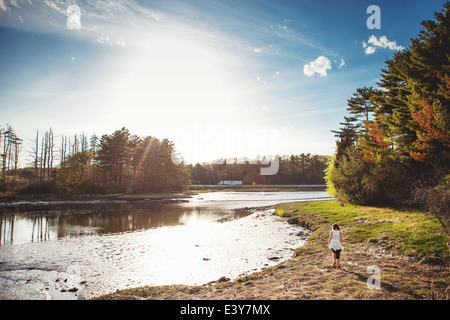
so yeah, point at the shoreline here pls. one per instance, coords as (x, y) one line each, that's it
(372, 237)
(35, 199)
(163, 197)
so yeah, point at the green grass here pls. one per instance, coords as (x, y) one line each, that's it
(412, 233)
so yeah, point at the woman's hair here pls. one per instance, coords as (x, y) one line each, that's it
(336, 226)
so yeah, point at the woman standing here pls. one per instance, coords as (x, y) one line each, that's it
(335, 244)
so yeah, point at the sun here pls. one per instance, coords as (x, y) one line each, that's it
(170, 86)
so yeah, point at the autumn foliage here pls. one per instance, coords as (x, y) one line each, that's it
(395, 145)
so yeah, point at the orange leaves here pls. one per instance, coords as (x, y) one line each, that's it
(426, 120)
(376, 132)
(430, 136)
(419, 156)
(445, 86)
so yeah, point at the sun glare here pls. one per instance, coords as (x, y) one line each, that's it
(171, 77)
(174, 87)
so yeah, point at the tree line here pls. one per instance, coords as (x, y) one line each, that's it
(394, 145)
(123, 162)
(113, 163)
(294, 169)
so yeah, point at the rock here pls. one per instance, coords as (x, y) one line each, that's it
(274, 258)
(206, 259)
(73, 289)
(223, 279)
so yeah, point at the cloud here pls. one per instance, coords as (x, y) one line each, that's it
(109, 41)
(320, 66)
(373, 43)
(342, 63)
(369, 49)
(257, 50)
(118, 20)
(283, 27)
(260, 80)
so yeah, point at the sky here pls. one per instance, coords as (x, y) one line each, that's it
(221, 79)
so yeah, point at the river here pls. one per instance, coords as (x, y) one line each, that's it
(78, 251)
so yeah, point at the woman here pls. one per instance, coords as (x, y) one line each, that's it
(335, 244)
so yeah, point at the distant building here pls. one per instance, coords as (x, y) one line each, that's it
(230, 182)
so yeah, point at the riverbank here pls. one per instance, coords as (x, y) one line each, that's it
(409, 248)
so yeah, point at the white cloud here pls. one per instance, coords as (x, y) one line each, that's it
(257, 50)
(109, 41)
(373, 43)
(2, 6)
(320, 66)
(260, 80)
(283, 27)
(342, 63)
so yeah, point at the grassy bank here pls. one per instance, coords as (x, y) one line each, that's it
(409, 248)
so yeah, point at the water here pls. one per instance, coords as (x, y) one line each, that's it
(77, 251)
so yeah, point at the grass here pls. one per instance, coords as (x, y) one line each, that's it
(409, 247)
(403, 232)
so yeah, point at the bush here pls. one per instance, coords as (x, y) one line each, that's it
(436, 200)
(347, 177)
(40, 188)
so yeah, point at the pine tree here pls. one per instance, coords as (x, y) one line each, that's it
(361, 105)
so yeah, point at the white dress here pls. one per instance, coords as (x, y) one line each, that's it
(335, 242)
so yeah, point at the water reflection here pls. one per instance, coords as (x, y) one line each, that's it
(6, 230)
(40, 231)
(43, 223)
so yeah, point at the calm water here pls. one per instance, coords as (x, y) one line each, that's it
(77, 251)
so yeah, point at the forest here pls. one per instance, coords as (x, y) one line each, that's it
(393, 147)
(121, 162)
(293, 170)
(118, 162)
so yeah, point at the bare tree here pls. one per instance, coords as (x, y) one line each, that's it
(35, 154)
(63, 150)
(50, 152)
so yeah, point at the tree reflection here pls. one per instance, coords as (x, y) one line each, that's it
(40, 223)
(7, 230)
(41, 229)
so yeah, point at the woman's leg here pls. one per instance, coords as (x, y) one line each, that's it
(338, 258)
(334, 256)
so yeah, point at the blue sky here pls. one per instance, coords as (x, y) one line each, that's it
(219, 78)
